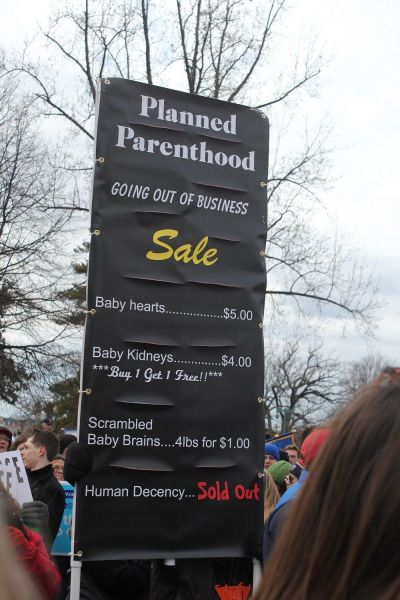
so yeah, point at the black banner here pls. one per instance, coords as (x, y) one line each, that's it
(173, 365)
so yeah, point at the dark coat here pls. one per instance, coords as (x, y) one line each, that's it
(114, 580)
(273, 527)
(119, 579)
(46, 488)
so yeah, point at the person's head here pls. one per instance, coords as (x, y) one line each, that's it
(293, 475)
(271, 495)
(39, 449)
(342, 539)
(65, 440)
(271, 455)
(5, 438)
(312, 445)
(293, 453)
(19, 442)
(58, 466)
(278, 471)
(47, 425)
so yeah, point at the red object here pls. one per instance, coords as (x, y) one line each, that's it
(36, 560)
(233, 592)
(312, 445)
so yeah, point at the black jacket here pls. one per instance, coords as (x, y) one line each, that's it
(46, 488)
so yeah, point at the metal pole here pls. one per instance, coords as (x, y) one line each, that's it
(76, 564)
(257, 573)
(75, 588)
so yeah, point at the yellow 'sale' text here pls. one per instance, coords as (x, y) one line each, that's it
(197, 255)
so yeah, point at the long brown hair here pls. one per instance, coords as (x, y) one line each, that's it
(342, 538)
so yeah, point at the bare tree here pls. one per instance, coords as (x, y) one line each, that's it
(222, 49)
(360, 373)
(300, 386)
(30, 255)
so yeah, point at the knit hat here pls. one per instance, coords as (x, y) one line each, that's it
(272, 450)
(312, 445)
(296, 470)
(279, 471)
(4, 429)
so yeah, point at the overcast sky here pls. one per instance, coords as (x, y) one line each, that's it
(361, 89)
(362, 39)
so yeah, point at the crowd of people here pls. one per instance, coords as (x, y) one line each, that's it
(331, 527)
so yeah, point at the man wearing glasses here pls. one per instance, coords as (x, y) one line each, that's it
(5, 439)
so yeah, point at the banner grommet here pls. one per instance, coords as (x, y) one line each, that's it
(87, 391)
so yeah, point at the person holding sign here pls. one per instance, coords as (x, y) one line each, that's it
(37, 453)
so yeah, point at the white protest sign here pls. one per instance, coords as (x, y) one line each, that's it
(14, 478)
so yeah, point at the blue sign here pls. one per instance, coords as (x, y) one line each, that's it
(62, 543)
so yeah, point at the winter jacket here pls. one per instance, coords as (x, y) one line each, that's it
(46, 488)
(32, 553)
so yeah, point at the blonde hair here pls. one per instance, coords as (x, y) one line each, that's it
(271, 495)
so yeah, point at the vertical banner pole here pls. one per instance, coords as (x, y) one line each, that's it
(257, 573)
(76, 567)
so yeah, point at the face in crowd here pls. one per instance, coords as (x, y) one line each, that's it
(271, 455)
(269, 460)
(58, 468)
(31, 454)
(293, 456)
(5, 440)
